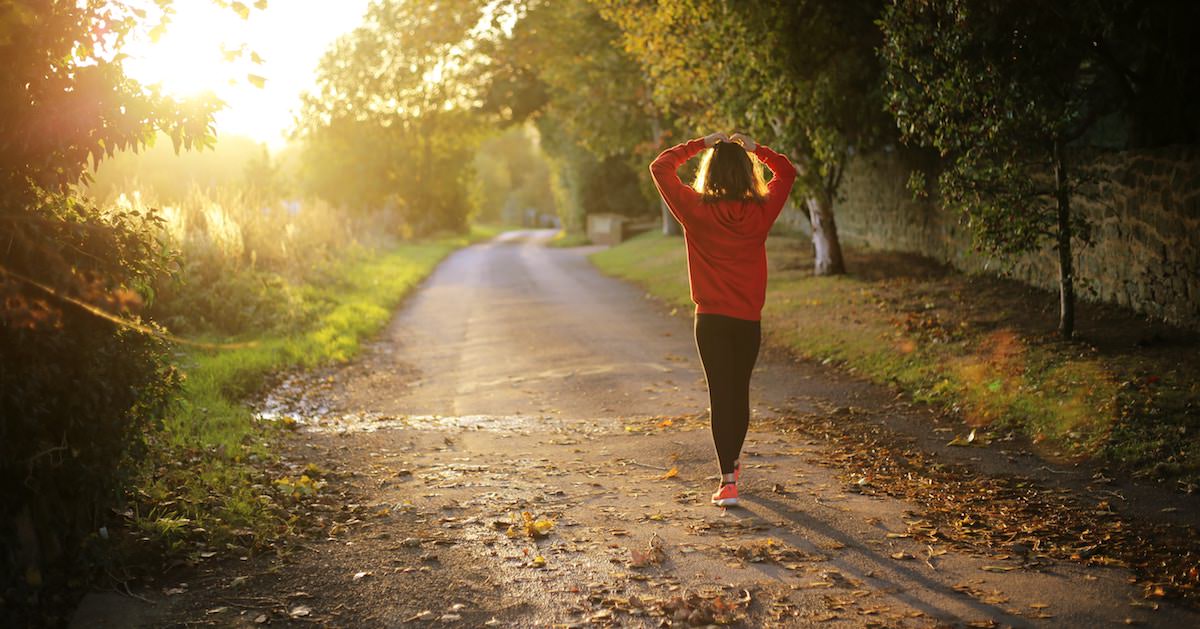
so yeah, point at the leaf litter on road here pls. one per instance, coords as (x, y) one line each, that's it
(652, 555)
(976, 511)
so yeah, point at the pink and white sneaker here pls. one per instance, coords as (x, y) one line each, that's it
(726, 496)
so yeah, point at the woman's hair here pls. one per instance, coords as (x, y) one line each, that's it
(727, 173)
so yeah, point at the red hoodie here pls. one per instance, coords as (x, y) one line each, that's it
(726, 240)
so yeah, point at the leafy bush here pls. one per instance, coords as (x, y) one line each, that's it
(77, 390)
(210, 300)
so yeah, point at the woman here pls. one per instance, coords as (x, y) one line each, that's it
(726, 215)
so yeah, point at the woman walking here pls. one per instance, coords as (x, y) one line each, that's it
(726, 215)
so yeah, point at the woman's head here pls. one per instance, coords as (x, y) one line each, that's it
(727, 173)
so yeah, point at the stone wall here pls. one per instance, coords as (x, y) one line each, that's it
(1144, 208)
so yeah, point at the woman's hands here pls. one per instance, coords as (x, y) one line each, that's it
(745, 141)
(740, 138)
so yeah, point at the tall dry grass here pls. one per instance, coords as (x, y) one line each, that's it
(243, 258)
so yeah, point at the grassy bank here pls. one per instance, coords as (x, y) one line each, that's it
(1126, 391)
(210, 483)
(565, 238)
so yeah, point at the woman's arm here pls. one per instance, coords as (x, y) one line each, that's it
(680, 197)
(780, 185)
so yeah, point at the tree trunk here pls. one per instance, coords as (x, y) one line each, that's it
(670, 226)
(827, 249)
(1066, 272)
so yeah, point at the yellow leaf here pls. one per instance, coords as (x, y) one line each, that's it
(529, 526)
(671, 473)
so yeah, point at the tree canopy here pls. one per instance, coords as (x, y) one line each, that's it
(799, 75)
(392, 124)
(562, 67)
(1006, 93)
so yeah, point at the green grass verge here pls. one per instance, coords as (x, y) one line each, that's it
(205, 485)
(565, 238)
(934, 339)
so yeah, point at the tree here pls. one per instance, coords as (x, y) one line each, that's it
(802, 75)
(1006, 92)
(80, 382)
(513, 175)
(393, 122)
(593, 113)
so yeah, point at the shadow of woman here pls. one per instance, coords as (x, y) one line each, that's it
(903, 582)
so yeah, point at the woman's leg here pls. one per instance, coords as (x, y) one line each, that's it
(728, 349)
(747, 338)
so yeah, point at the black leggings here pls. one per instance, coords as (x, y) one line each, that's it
(728, 350)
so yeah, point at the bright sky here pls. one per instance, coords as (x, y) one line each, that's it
(289, 35)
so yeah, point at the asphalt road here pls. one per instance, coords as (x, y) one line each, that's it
(519, 379)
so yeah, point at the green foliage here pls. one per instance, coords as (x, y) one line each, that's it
(76, 392)
(242, 259)
(994, 87)
(611, 186)
(1005, 93)
(565, 239)
(801, 75)
(594, 115)
(992, 100)
(600, 99)
(66, 101)
(512, 174)
(392, 123)
(83, 389)
(352, 300)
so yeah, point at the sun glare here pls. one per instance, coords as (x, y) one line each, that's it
(258, 66)
(189, 58)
